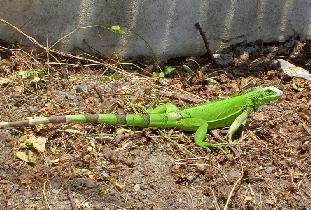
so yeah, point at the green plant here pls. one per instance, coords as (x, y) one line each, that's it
(34, 77)
(116, 29)
(167, 70)
(210, 81)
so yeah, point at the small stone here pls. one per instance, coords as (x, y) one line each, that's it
(55, 191)
(33, 109)
(136, 187)
(223, 59)
(81, 89)
(90, 183)
(4, 81)
(269, 169)
(244, 56)
(234, 174)
(273, 64)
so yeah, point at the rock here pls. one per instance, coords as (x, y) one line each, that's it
(293, 71)
(223, 59)
(269, 169)
(81, 88)
(4, 81)
(33, 109)
(244, 56)
(136, 187)
(234, 174)
(250, 50)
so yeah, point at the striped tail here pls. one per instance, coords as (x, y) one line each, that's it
(113, 119)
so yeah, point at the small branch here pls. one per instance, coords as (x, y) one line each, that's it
(72, 202)
(93, 61)
(215, 200)
(208, 53)
(44, 196)
(233, 188)
(67, 55)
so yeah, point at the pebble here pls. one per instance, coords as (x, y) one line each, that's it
(223, 59)
(136, 187)
(293, 71)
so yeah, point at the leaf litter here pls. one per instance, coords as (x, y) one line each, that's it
(113, 166)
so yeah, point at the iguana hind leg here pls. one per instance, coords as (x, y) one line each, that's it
(163, 108)
(201, 127)
(199, 139)
(241, 119)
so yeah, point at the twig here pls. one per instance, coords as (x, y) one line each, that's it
(47, 54)
(93, 61)
(233, 188)
(44, 196)
(72, 202)
(208, 53)
(21, 50)
(29, 55)
(68, 55)
(181, 148)
(307, 128)
(34, 41)
(77, 29)
(215, 200)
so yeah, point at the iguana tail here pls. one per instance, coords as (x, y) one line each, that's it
(141, 120)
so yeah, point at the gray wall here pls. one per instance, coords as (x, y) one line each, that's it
(167, 25)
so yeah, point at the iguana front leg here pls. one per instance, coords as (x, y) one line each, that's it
(241, 119)
(163, 108)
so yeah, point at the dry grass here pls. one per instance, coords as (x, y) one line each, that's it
(97, 166)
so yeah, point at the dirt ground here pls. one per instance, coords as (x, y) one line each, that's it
(112, 167)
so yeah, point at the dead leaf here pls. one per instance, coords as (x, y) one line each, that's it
(4, 81)
(19, 88)
(54, 162)
(27, 156)
(39, 144)
(121, 131)
(28, 144)
(30, 141)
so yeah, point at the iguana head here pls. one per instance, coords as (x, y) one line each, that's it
(266, 94)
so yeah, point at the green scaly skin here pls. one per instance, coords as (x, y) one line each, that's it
(232, 111)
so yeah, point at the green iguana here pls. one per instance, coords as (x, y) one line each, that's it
(231, 111)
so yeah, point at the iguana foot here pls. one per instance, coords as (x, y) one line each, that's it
(209, 146)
